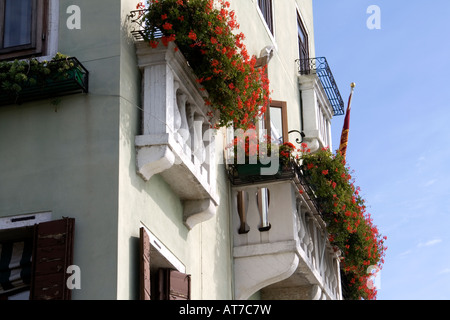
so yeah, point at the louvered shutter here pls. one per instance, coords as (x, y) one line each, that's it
(52, 254)
(174, 285)
(145, 291)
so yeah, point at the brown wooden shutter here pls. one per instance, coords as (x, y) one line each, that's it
(145, 289)
(174, 285)
(52, 254)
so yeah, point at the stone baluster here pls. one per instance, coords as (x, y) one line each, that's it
(310, 247)
(303, 228)
(210, 151)
(316, 253)
(176, 109)
(263, 202)
(190, 113)
(321, 246)
(198, 145)
(299, 224)
(310, 240)
(242, 208)
(183, 129)
(327, 270)
(333, 282)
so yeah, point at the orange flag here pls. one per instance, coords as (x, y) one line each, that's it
(346, 128)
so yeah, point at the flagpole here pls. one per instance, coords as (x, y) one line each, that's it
(346, 126)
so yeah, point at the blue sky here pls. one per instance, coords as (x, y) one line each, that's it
(398, 140)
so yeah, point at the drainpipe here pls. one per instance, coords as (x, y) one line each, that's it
(302, 134)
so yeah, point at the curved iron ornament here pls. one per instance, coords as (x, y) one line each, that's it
(135, 18)
(302, 135)
(320, 67)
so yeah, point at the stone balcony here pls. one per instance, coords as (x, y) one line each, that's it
(321, 100)
(280, 244)
(176, 140)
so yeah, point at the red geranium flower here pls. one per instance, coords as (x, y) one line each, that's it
(167, 26)
(192, 35)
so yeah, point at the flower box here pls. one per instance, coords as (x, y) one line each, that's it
(56, 84)
(245, 170)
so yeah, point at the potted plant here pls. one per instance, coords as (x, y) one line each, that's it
(32, 79)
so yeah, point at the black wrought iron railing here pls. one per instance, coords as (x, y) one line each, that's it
(135, 18)
(320, 67)
(137, 22)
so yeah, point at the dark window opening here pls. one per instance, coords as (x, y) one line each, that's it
(267, 11)
(158, 279)
(303, 45)
(22, 28)
(34, 260)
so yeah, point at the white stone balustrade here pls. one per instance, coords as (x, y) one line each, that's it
(293, 258)
(176, 141)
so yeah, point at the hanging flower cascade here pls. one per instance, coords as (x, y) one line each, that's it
(350, 227)
(207, 37)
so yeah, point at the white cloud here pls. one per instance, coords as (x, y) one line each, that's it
(405, 253)
(445, 271)
(430, 182)
(420, 161)
(429, 243)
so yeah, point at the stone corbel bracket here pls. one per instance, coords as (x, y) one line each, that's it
(160, 154)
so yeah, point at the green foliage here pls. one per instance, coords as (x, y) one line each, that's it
(18, 74)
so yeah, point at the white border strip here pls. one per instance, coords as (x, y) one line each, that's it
(162, 249)
(24, 220)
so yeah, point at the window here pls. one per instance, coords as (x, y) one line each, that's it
(276, 122)
(303, 44)
(160, 276)
(34, 258)
(265, 6)
(22, 28)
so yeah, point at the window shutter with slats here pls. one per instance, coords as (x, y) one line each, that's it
(52, 255)
(145, 291)
(174, 285)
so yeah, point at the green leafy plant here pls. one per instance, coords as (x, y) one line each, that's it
(206, 36)
(18, 74)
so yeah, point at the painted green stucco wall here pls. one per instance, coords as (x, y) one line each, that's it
(64, 158)
(204, 250)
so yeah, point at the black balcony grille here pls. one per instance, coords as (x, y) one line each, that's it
(138, 29)
(320, 67)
